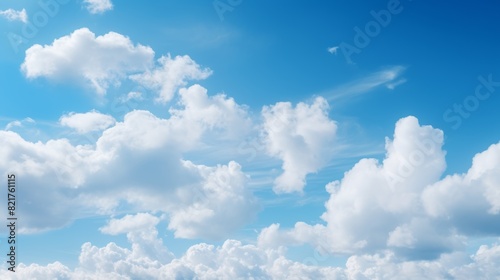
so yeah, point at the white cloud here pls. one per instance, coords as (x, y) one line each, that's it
(302, 137)
(218, 113)
(170, 74)
(57, 161)
(105, 61)
(231, 260)
(98, 6)
(333, 50)
(98, 62)
(130, 223)
(394, 220)
(87, 122)
(484, 265)
(396, 83)
(12, 124)
(19, 123)
(13, 15)
(402, 205)
(235, 260)
(471, 201)
(220, 206)
(142, 234)
(369, 203)
(390, 77)
(96, 178)
(133, 95)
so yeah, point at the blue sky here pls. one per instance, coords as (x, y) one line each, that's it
(160, 126)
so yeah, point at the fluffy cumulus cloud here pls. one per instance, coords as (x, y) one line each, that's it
(142, 233)
(98, 177)
(170, 74)
(378, 205)
(480, 265)
(471, 201)
(56, 161)
(149, 258)
(87, 122)
(99, 61)
(302, 137)
(98, 6)
(398, 218)
(13, 15)
(219, 113)
(223, 189)
(403, 206)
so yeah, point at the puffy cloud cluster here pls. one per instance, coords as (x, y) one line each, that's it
(149, 258)
(170, 74)
(403, 205)
(395, 219)
(301, 137)
(13, 15)
(82, 57)
(470, 201)
(98, 6)
(219, 113)
(398, 219)
(137, 161)
(221, 205)
(142, 233)
(479, 265)
(104, 61)
(87, 122)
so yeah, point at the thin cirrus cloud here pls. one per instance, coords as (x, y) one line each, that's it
(390, 77)
(98, 6)
(19, 123)
(13, 15)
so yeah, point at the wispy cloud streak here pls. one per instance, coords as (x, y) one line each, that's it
(388, 77)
